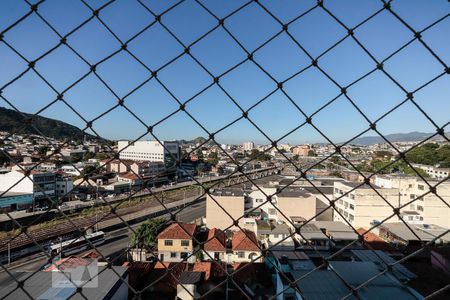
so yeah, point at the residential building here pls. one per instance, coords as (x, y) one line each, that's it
(293, 202)
(301, 150)
(176, 243)
(434, 172)
(245, 247)
(248, 146)
(140, 168)
(223, 207)
(422, 207)
(63, 186)
(361, 205)
(413, 235)
(215, 246)
(275, 235)
(166, 152)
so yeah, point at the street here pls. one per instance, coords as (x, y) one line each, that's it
(116, 242)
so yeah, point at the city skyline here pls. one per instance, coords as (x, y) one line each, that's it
(276, 116)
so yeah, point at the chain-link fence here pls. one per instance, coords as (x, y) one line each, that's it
(35, 240)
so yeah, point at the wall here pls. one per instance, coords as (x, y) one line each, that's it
(216, 216)
(296, 206)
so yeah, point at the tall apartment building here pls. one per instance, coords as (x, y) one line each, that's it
(154, 151)
(248, 146)
(363, 206)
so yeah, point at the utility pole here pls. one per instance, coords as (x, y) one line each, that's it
(9, 254)
(60, 248)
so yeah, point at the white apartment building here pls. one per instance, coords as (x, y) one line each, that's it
(363, 206)
(433, 172)
(427, 209)
(248, 146)
(153, 151)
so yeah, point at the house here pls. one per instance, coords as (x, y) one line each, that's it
(215, 246)
(275, 235)
(175, 243)
(245, 247)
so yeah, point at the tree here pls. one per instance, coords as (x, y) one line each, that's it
(213, 158)
(383, 153)
(43, 150)
(295, 157)
(145, 236)
(200, 154)
(312, 153)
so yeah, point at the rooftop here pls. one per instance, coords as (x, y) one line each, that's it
(178, 231)
(216, 240)
(244, 240)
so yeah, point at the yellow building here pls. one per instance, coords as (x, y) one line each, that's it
(175, 243)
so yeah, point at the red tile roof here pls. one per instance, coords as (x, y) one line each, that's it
(68, 263)
(129, 175)
(213, 269)
(175, 231)
(216, 240)
(244, 240)
(375, 242)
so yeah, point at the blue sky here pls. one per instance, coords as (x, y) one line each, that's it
(247, 84)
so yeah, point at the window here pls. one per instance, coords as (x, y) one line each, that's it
(352, 206)
(412, 197)
(276, 236)
(351, 218)
(173, 254)
(240, 254)
(412, 206)
(217, 255)
(352, 196)
(420, 187)
(419, 207)
(168, 243)
(410, 218)
(184, 255)
(184, 243)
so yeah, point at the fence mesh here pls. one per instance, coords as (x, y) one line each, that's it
(173, 204)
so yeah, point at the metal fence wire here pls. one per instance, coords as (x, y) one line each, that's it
(30, 233)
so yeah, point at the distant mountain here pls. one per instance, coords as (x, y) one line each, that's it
(395, 137)
(198, 140)
(16, 122)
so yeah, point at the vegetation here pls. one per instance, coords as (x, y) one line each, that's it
(430, 154)
(213, 158)
(145, 236)
(16, 122)
(312, 153)
(381, 167)
(255, 154)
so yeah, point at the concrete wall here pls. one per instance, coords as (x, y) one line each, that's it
(216, 216)
(296, 206)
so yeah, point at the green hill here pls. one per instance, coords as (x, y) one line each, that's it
(18, 123)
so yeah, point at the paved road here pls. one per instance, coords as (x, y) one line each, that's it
(116, 242)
